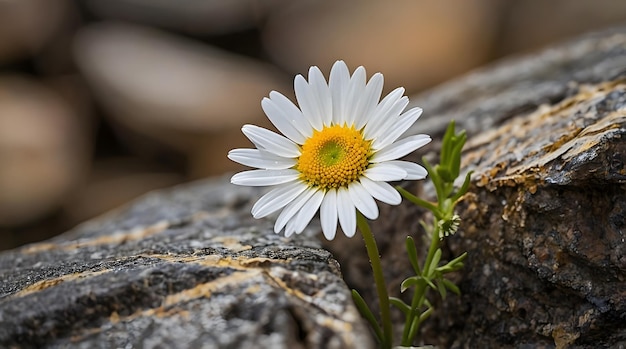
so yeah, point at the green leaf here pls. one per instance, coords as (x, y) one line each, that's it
(445, 173)
(411, 281)
(456, 154)
(447, 142)
(418, 201)
(451, 286)
(459, 259)
(426, 313)
(449, 268)
(434, 176)
(441, 288)
(464, 187)
(417, 322)
(412, 253)
(399, 303)
(451, 148)
(430, 284)
(453, 265)
(427, 228)
(367, 314)
(433, 264)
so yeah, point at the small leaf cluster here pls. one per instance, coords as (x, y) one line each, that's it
(430, 275)
(443, 176)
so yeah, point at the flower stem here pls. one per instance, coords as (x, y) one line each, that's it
(381, 287)
(410, 330)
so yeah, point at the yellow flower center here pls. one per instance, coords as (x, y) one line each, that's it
(333, 157)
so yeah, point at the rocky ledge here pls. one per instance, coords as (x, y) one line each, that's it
(183, 268)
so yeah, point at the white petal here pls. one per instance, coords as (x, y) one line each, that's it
(277, 198)
(294, 113)
(271, 141)
(320, 89)
(373, 90)
(396, 130)
(284, 122)
(307, 102)
(413, 170)
(292, 209)
(391, 118)
(256, 178)
(382, 191)
(338, 84)
(308, 211)
(346, 212)
(379, 115)
(260, 159)
(328, 214)
(290, 228)
(354, 99)
(400, 148)
(385, 172)
(363, 201)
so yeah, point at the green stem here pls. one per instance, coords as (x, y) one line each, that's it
(410, 331)
(434, 245)
(416, 304)
(419, 202)
(381, 287)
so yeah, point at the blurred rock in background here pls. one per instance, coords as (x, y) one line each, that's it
(43, 150)
(101, 101)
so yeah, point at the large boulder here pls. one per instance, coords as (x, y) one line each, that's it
(547, 211)
(545, 226)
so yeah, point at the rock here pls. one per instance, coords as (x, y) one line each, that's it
(190, 16)
(44, 150)
(543, 221)
(185, 268)
(415, 44)
(545, 226)
(488, 96)
(527, 25)
(171, 90)
(154, 80)
(26, 26)
(111, 184)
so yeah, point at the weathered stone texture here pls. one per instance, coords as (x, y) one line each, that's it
(515, 86)
(544, 219)
(545, 226)
(188, 268)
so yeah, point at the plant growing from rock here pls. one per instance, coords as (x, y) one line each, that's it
(338, 151)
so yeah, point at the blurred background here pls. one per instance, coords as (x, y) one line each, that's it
(104, 100)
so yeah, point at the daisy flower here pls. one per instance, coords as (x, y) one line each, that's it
(337, 151)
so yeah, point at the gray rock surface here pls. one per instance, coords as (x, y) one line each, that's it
(518, 85)
(544, 219)
(186, 268)
(545, 227)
